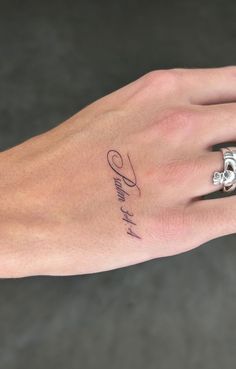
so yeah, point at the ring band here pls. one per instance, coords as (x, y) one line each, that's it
(228, 177)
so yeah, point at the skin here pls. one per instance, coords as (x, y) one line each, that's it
(148, 144)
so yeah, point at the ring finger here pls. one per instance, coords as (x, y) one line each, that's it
(200, 176)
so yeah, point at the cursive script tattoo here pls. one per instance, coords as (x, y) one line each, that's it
(125, 182)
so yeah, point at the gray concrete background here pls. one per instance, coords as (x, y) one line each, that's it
(178, 312)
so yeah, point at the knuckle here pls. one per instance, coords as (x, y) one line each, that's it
(181, 119)
(174, 172)
(165, 79)
(181, 115)
(177, 172)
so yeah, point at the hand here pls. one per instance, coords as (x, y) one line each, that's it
(122, 181)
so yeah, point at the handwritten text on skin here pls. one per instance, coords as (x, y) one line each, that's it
(124, 184)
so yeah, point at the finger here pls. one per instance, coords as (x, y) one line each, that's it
(192, 177)
(210, 85)
(199, 180)
(213, 218)
(216, 124)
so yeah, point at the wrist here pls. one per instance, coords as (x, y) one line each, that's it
(22, 223)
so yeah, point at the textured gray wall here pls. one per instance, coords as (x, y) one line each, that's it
(179, 312)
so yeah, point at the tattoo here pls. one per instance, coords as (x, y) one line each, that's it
(125, 183)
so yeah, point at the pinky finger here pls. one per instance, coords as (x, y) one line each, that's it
(213, 218)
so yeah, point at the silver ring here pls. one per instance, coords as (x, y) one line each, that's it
(228, 177)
